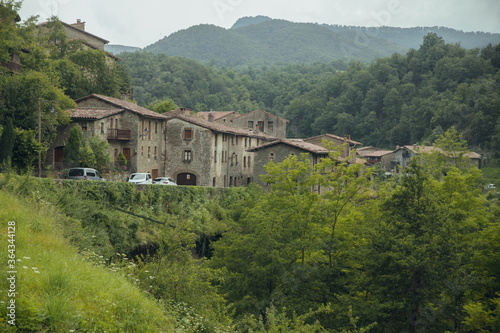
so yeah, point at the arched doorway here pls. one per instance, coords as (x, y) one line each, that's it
(186, 179)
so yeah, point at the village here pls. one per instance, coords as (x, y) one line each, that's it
(212, 148)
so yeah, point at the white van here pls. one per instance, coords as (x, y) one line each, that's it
(140, 178)
(84, 174)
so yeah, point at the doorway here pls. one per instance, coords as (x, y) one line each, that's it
(186, 179)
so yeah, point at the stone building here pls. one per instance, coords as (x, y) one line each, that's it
(281, 149)
(135, 131)
(260, 121)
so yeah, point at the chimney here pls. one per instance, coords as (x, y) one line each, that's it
(211, 117)
(79, 25)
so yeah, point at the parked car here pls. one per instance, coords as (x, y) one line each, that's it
(490, 187)
(140, 178)
(164, 181)
(84, 174)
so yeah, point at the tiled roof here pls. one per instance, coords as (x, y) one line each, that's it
(429, 149)
(373, 152)
(221, 127)
(297, 143)
(94, 113)
(246, 114)
(335, 137)
(216, 114)
(82, 31)
(125, 105)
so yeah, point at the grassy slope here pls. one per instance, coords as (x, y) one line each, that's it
(57, 290)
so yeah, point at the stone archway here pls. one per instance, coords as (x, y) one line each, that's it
(186, 178)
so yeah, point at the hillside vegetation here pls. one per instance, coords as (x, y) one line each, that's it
(364, 256)
(261, 41)
(397, 100)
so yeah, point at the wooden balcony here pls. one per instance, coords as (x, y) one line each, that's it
(119, 134)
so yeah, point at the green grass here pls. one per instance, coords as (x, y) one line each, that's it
(57, 291)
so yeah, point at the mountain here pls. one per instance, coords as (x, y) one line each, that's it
(412, 37)
(261, 40)
(270, 42)
(117, 49)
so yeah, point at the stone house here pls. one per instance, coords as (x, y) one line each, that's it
(403, 155)
(281, 149)
(374, 155)
(263, 122)
(222, 117)
(76, 31)
(135, 131)
(207, 153)
(337, 141)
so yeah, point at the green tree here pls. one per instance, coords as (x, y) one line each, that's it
(7, 140)
(87, 157)
(100, 149)
(72, 150)
(162, 106)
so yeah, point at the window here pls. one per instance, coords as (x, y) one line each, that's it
(143, 130)
(102, 127)
(156, 127)
(216, 137)
(250, 124)
(188, 134)
(250, 142)
(215, 156)
(142, 150)
(248, 161)
(149, 151)
(260, 125)
(232, 140)
(270, 125)
(213, 182)
(187, 155)
(271, 156)
(149, 130)
(244, 161)
(246, 142)
(155, 153)
(84, 127)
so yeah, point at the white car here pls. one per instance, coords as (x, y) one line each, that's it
(140, 178)
(164, 181)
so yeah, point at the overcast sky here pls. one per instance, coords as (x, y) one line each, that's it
(141, 23)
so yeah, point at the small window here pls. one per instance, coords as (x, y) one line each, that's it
(156, 127)
(187, 155)
(250, 124)
(271, 156)
(155, 152)
(84, 127)
(246, 142)
(215, 156)
(90, 173)
(188, 134)
(149, 151)
(260, 125)
(244, 161)
(142, 150)
(102, 127)
(270, 125)
(149, 131)
(248, 161)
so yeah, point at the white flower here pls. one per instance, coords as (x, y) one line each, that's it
(26, 257)
(25, 267)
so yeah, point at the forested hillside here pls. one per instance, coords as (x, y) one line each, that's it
(402, 99)
(261, 41)
(275, 42)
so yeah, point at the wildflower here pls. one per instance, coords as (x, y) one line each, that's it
(25, 267)
(26, 257)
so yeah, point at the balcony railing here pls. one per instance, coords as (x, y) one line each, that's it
(119, 134)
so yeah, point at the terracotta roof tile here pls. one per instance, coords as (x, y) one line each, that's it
(93, 113)
(336, 137)
(125, 105)
(297, 143)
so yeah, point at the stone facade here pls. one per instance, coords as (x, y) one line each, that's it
(262, 121)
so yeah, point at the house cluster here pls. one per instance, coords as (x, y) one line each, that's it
(215, 148)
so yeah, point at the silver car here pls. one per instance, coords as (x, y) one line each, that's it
(164, 181)
(84, 174)
(140, 178)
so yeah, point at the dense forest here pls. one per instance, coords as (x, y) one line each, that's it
(413, 254)
(260, 40)
(397, 100)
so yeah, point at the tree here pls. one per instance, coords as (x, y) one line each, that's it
(100, 149)
(72, 156)
(87, 157)
(7, 140)
(162, 106)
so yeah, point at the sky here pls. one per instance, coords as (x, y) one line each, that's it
(141, 23)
